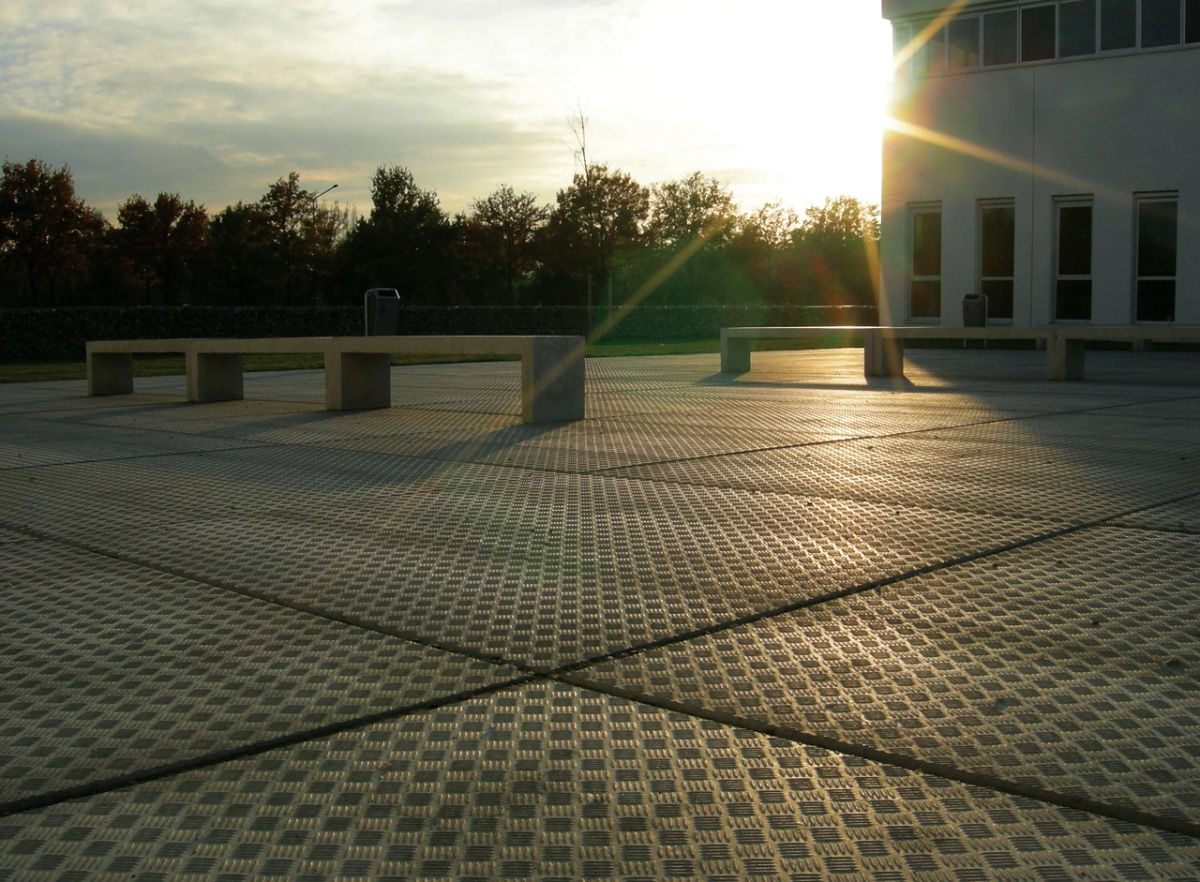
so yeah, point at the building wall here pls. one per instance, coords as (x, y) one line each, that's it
(1108, 126)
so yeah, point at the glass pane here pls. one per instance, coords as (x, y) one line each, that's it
(999, 232)
(1037, 33)
(1118, 24)
(964, 43)
(1156, 300)
(901, 34)
(1077, 28)
(1191, 15)
(935, 50)
(1160, 23)
(1073, 300)
(926, 300)
(1157, 223)
(927, 244)
(1000, 38)
(1000, 296)
(1075, 240)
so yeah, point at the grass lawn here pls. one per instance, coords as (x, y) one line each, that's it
(172, 365)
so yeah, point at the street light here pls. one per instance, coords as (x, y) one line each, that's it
(323, 192)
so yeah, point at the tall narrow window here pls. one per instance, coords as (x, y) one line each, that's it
(1157, 245)
(964, 43)
(935, 51)
(997, 248)
(1191, 21)
(1037, 33)
(925, 286)
(1000, 33)
(1118, 24)
(1161, 25)
(1073, 277)
(901, 36)
(1076, 28)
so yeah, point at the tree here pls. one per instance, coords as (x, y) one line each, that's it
(44, 227)
(761, 248)
(163, 242)
(499, 234)
(601, 213)
(834, 240)
(241, 252)
(689, 209)
(407, 241)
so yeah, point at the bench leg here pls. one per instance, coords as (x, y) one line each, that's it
(883, 356)
(214, 376)
(735, 355)
(1064, 359)
(109, 373)
(358, 381)
(552, 380)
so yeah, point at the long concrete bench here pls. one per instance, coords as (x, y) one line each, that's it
(357, 369)
(883, 347)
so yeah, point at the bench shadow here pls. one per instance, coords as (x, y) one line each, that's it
(738, 380)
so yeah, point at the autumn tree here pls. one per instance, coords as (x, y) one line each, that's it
(499, 235)
(163, 242)
(833, 240)
(405, 243)
(601, 213)
(689, 209)
(242, 253)
(45, 229)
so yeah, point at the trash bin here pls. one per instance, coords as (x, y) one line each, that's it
(975, 311)
(381, 312)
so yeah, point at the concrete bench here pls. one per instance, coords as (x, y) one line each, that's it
(883, 347)
(357, 369)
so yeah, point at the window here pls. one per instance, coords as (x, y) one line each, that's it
(1077, 28)
(901, 36)
(925, 286)
(1073, 276)
(1157, 243)
(1118, 24)
(997, 249)
(1000, 38)
(935, 51)
(1160, 23)
(1191, 21)
(1037, 33)
(964, 43)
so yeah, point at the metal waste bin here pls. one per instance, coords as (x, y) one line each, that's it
(975, 311)
(381, 312)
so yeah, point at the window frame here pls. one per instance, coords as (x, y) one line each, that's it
(1140, 199)
(1084, 200)
(981, 206)
(916, 209)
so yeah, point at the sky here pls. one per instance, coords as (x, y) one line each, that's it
(216, 99)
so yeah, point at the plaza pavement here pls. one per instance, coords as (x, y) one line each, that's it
(788, 625)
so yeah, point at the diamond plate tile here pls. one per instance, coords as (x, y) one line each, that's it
(558, 783)
(109, 668)
(1071, 663)
(545, 568)
(1176, 517)
(25, 443)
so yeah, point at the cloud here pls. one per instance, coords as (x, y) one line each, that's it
(217, 99)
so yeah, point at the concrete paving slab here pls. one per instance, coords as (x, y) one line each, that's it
(110, 669)
(555, 783)
(1072, 663)
(543, 568)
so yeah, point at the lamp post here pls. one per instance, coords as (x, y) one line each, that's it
(316, 298)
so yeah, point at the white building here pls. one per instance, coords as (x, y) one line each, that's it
(1046, 154)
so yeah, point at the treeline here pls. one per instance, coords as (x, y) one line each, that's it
(606, 239)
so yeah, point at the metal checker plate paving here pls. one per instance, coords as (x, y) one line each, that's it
(1177, 517)
(556, 783)
(108, 667)
(545, 568)
(1072, 663)
(956, 475)
(26, 442)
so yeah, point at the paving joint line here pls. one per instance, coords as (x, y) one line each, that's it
(252, 445)
(244, 751)
(912, 763)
